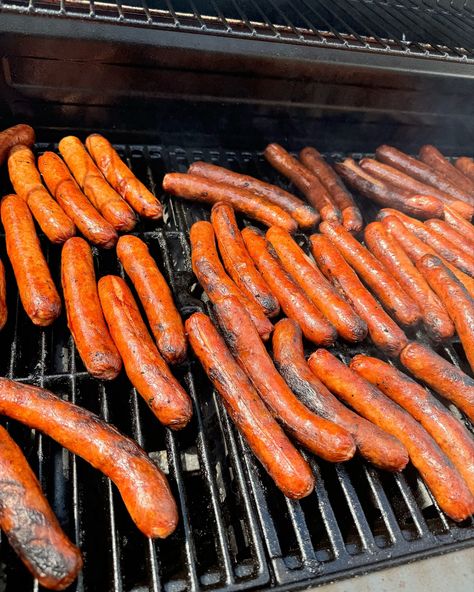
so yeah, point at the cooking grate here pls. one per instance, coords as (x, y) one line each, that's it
(236, 531)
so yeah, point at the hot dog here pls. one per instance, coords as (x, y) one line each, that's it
(392, 256)
(466, 166)
(142, 485)
(201, 189)
(265, 437)
(3, 297)
(326, 439)
(122, 179)
(303, 213)
(37, 291)
(26, 182)
(459, 223)
(440, 375)
(449, 433)
(156, 298)
(375, 445)
(447, 486)
(293, 301)
(105, 199)
(213, 278)
(384, 332)
(64, 188)
(18, 134)
(307, 275)
(84, 313)
(441, 228)
(431, 156)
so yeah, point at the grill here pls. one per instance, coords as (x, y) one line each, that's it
(236, 530)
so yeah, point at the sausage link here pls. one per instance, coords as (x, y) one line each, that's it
(203, 190)
(319, 290)
(26, 182)
(447, 431)
(30, 524)
(65, 190)
(392, 256)
(37, 291)
(156, 298)
(303, 213)
(459, 223)
(441, 228)
(144, 366)
(237, 261)
(142, 485)
(381, 449)
(105, 199)
(3, 297)
(293, 301)
(466, 166)
(321, 436)
(383, 331)
(443, 377)
(213, 278)
(285, 465)
(122, 179)
(18, 134)
(437, 471)
(431, 156)
(84, 313)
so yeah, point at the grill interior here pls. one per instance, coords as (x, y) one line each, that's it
(236, 530)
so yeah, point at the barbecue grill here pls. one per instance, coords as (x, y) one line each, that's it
(170, 83)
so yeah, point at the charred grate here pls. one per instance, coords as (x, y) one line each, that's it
(236, 530)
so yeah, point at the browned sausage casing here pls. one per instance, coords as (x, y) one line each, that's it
(3, 296)
(142, 485)
(293, 301)
(37, 291)
(156, 298)
(383, 331)
(459, 223)
(84, 313)
(144, 366)
(18, 134)
(303, 213)
(326, 439)
(442, 376)
(466, 166)
(431, 156)
(375, 445)
(442, 228)
(307, 275)
(213, 278)
(30, 524)
(281, 460)
(447, 486)
(201, 189)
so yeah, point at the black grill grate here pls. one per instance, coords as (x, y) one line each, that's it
(236, 530)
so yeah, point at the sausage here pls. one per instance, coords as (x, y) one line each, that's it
(26, 182)
(372, 272)
(213, 278)
(431, 156)
(30, 524)
(105, 199)
(321, 436)
(293, 301)
(201, 189)
(455, 297)
(18, 134)
(121, 178)
(383, 331)
(466, 166)
(391, 255)
(237, 261)
(443, 377)
(351, 216)
(303, 213)
(285, 465)
(381, 449)
(384, 194)
(439, 227)
(65, 190)
(319, 290)
(304, 180)
(3, 297)
(437, 471)
(84, 313)
(37, 291)
(142, 485)
(144, 366)
(447, 431)
(163, 317)
(459, 223)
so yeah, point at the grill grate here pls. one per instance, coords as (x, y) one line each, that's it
(236, 530)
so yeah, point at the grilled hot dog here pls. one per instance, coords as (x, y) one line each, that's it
(459, 223)
(466, 166)
(431, 156)
(18, 134)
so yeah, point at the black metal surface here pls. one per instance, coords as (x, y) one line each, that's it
(236, 530)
